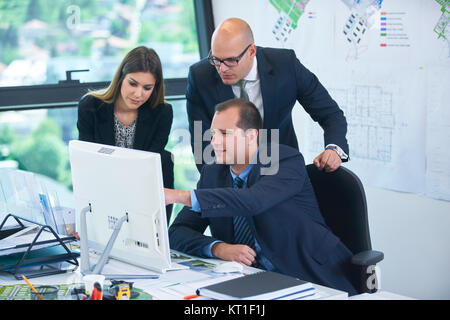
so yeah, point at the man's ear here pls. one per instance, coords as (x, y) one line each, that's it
(252, 50)
(252, 134)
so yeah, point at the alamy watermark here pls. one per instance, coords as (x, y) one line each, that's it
(73, 21)
(372, 282)
(268, 154)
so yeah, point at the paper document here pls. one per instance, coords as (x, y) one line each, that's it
(177, 291)
(20, 241)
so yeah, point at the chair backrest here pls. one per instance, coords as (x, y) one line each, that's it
(342, 202)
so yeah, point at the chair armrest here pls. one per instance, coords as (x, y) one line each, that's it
(367, 258)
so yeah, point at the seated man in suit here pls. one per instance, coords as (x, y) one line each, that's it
(269, 221)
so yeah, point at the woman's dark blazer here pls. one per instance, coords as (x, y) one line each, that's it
(96, 124)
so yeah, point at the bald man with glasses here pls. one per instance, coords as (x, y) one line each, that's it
(273, 80)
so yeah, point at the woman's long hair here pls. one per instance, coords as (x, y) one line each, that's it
(140, 59)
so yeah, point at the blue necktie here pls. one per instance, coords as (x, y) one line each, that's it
(242, 232)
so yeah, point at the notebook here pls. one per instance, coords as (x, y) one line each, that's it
(265, 285)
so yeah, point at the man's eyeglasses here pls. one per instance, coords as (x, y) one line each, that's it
(229, 62)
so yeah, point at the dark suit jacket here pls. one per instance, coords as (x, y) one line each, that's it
(96, 124)
(284, 217)
(284, 80)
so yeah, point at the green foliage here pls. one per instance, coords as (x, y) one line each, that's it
(84, 45)
(47, 128)
(118, 29)
(176, 29)
(34, 10)
(8, 55)
(187, 21)
(46, 156)
(128, 2)
(43, 152)
(9, 36)
(7, 135)
(13, 13)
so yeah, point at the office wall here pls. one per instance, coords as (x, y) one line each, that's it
(411, 230)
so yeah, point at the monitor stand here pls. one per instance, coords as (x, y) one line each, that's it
(84, 250)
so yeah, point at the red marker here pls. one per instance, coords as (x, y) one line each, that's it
(97, 293)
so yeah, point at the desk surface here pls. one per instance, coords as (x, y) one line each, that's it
(380, 295)
(170, 285)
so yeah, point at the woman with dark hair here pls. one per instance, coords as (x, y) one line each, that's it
(131, 111)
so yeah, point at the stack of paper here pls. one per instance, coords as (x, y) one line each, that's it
(21, 240)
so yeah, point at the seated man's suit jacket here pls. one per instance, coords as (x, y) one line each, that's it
(283, 214)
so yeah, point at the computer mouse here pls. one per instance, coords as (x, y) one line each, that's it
(228, 267)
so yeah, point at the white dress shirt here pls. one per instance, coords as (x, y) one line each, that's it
(252, 87)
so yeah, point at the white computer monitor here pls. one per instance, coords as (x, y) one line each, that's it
(116, 182)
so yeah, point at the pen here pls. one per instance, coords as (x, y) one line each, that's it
(191, 297)
(32, 288)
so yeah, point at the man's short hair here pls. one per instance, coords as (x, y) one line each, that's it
(249, 116)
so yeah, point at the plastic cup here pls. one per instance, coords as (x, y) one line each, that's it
(89, 281)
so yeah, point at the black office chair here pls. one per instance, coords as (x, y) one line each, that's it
(342, 202)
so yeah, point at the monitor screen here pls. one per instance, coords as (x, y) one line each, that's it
(116, 182)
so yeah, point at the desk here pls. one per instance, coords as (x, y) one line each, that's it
(178, 281)
(380, 295)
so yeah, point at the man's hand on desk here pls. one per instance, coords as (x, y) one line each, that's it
(234, 252)
(177, 196)
(328, 160)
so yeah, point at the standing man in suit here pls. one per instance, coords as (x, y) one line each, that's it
(273, 79)
(271, 221)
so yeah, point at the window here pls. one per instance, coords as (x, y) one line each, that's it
(41, 39)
